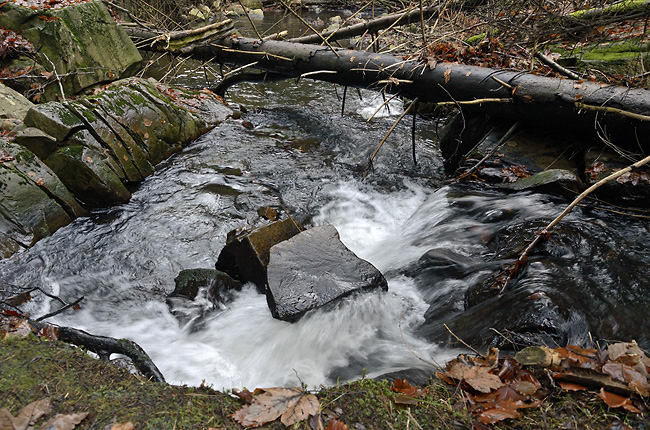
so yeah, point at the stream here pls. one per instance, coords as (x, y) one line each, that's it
(432, 242)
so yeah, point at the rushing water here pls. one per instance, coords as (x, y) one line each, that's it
(293, 147)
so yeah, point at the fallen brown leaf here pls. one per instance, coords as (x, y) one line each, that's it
(64, 422)
(616, 401)
(291, 405)
(26, 417)
(336, 425)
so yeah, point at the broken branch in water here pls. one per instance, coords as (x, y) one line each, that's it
(510, 272)
(390, 131)
(105, 346)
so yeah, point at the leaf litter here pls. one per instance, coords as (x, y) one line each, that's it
(498, 388)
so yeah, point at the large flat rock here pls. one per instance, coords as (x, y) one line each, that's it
(315, 268)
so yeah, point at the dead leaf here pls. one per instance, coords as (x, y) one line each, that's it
(290, 404)
(147, 122)
(478, 377)
(6, 420)
(49, 332)
(27, 415)
(498, 413)
(447, 75)
(570, 386)
(617, 401)
(40, 182)
(64, 422)
(402, 386)
(123, 426)
(336, 425)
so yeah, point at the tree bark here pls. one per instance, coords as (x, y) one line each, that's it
(548, 102)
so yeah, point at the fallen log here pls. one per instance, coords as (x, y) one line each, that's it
(549, 102)
(533, 99)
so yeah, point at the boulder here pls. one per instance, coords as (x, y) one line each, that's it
(27, 211)
(315, 268)
(81, 40)
(87, 176)
(36, 140)
(24, 161)
(246, 254)
(12, 103)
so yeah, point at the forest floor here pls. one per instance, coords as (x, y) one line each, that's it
(45, 380)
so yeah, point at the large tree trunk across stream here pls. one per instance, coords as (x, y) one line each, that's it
(548, 102)
(545, 101)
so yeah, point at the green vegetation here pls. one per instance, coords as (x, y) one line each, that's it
(34, 368)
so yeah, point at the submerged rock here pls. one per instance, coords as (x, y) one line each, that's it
(632, 188)
(246, 254)
(198, 291)
(315, 268)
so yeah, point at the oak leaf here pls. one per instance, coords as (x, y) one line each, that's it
(291, 405)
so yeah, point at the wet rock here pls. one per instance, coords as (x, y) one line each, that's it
(12, 103)
(198, 291)
(25, 162)
(36, 140)
(632, 188)
(415, 377)
(114, 144)
(459, 136)
(27, 211)
(246, 254)
(315, 268)
(550, 181)
(530, 161)
(89, 178)
(54, 119)
(86, 44)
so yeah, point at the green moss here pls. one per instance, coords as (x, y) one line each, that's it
(476, 39)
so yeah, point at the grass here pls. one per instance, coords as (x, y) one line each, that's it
(33, 368)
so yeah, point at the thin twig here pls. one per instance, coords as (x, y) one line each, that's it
(406, 111)
(382, 106)
(523, 257)
(622, 112)
(310, 27)
(499, 144)
(58, 311)
(259, 36)
(555, 66)
(463, 342)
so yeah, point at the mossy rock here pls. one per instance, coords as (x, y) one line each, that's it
(27, 212)
(12, 103)
(102, 131)
(28, 164)
(84, 42)
(36, 140)
(90, 179)
(86, 138)
(54, 119)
